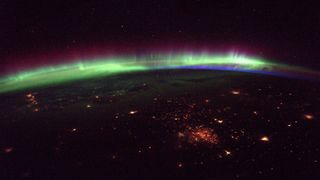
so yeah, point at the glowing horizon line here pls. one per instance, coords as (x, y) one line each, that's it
(50, 75)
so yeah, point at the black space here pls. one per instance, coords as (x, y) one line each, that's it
(280, 30)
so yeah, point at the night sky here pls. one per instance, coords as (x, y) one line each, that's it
(282, 31)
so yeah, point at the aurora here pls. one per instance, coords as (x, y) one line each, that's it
(99, 67)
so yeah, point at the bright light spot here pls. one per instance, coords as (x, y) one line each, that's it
(133, 112)
(202, 134)
(265, 138)
(234, 92)
(227, 152)
(219, 121)
(308, 116)
(180, 134)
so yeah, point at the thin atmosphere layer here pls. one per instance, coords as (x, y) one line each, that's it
(58, 74)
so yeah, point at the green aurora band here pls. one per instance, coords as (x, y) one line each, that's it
(58, 74)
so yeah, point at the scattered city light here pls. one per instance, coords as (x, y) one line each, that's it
(265, 138)
(308, 116)
(234, 92)
(227, 153)
(8, 150)
(133, 112)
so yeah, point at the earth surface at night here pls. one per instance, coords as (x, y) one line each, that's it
(164, 124)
